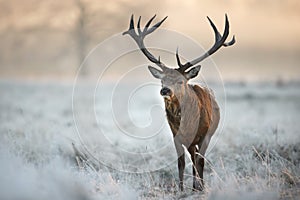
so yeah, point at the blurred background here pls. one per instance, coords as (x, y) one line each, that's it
(49, 39)
(45, 118)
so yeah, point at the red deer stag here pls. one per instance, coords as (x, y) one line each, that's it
(192, 111)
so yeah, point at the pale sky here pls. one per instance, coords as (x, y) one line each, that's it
(267, 32)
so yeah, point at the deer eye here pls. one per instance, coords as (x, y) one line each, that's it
(179, 82)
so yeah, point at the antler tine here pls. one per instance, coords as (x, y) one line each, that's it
(155, 26)
(217, 34)
(231, 42)
(219, 42)
(139, 26)
(148, 23)
(178, 59)
(139, 38)
(131, 26)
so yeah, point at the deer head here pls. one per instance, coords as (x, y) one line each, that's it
(175, 80)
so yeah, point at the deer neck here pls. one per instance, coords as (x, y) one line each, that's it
(172, 106)
(186, 98)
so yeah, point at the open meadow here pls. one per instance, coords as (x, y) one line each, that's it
(52, 148)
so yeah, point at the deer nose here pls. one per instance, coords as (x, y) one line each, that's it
(165, 91)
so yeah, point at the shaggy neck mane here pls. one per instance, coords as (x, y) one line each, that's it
(186, 99)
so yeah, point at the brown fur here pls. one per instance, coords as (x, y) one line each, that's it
(193, 122)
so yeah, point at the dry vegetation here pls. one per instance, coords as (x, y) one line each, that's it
(42, 157)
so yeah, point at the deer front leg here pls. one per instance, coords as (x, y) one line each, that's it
(199, 185)
(200, 161)
(196, 181)
(181, 162)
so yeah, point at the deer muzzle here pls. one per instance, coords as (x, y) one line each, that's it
(166, 92)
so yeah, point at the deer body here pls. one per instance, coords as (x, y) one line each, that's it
(204, 110)
(202, 105)
(192, 111)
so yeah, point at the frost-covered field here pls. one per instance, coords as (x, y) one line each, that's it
(119, 146)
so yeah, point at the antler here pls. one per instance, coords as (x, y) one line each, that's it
(219, 42)
(139, 38)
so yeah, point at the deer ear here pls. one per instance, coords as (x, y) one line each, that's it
(192, 73)
(156, 73)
